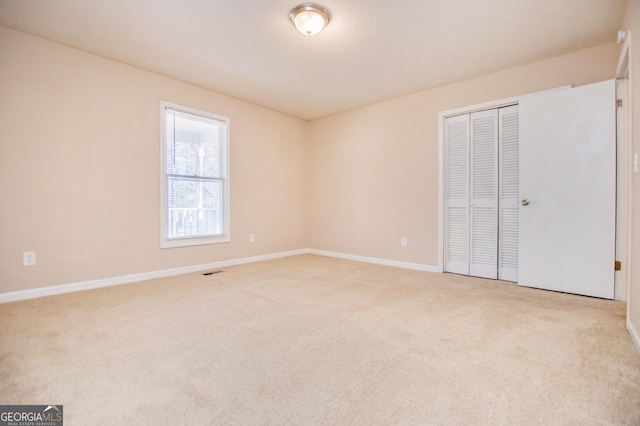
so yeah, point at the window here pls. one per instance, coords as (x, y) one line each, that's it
(195, 183)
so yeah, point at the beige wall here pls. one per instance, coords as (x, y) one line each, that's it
(80, 167)
(632, 22)
(79, 162)
(374, 170)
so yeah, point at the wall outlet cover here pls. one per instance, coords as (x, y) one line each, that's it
(29, 258)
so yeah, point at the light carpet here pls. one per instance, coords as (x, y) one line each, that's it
(310, 340)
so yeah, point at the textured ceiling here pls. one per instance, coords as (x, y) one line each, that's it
(371, 50)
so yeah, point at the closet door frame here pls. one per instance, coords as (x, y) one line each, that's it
(442, 116)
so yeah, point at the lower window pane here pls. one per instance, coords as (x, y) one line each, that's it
(194, 208)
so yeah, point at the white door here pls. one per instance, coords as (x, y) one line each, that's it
(475, 177)
(567, 180)
(508, 193)
(483, 217)
(457, 181)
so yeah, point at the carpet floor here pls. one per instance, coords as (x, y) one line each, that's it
(310, 340)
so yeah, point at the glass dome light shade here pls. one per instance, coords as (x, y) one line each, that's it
(309, 19)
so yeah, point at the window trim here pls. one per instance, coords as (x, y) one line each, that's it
(225, 237)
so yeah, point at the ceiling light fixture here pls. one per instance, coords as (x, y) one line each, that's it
(309, 18)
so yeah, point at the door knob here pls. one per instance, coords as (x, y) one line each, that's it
(524, 202)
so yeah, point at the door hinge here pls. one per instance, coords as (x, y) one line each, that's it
(618, 103)
(617, 265)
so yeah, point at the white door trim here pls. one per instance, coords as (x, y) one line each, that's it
(623, 71)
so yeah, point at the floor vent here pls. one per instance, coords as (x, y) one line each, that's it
(212, 272)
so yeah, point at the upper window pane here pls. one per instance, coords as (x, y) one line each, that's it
(193, 146)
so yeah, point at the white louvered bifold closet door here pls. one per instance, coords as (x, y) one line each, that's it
(509, 196)
(457, 195)
(483, 226)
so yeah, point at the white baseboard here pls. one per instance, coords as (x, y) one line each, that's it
(107, 282)
(376, 260)
(125, 279)
(634, 334)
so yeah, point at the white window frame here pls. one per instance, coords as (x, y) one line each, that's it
(225, 237)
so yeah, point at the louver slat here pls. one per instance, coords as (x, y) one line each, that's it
(457, 235)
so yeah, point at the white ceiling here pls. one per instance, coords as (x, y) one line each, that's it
(371, 50)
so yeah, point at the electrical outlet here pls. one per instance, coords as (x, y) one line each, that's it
(403, 241)
(29, 258)
(252, 238)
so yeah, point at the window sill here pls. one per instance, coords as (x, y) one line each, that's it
(186, 242)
